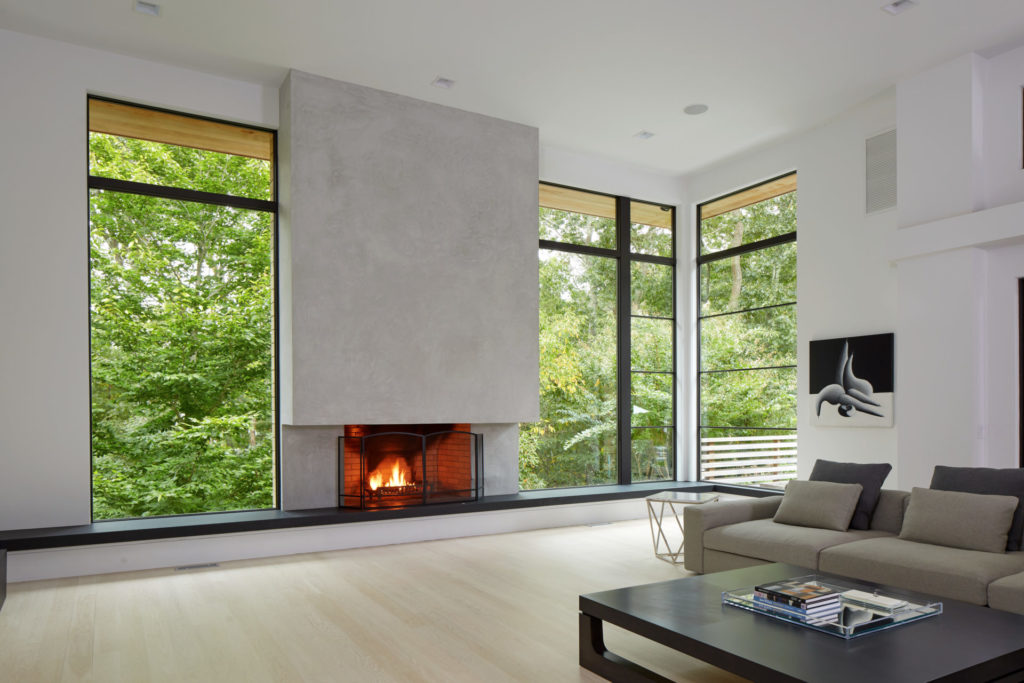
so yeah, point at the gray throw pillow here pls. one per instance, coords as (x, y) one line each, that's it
(868, 475)
(818, 504)
(1002, 482)
(973, 521)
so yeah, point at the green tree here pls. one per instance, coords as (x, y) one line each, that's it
(758, 339)
(574, 442)
(749, 347)
(181, 335)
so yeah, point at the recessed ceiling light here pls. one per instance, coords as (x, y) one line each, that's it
(150, 8)
(695, 109)
(644, 135)
(442, 82)
(899, 6)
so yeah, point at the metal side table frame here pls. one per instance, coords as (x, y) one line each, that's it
(672, 553)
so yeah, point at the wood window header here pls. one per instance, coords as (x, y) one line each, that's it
(651, 214)
(737, 200)
(601, 205)
(125, 120)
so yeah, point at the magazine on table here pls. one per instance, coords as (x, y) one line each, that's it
(796, 593)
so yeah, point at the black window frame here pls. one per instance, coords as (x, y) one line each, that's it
(701, 260)
(625, 258)
(212, 198)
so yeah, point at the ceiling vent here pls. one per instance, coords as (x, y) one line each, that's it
(880, 156)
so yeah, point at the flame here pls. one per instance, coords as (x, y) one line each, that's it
(393, 467)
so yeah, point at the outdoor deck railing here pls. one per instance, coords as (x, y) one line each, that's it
(749, 460)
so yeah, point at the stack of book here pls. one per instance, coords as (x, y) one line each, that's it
(805, 601)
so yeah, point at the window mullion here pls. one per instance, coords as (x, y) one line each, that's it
(625, 308)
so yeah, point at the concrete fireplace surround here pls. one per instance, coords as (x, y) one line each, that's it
(416, 302)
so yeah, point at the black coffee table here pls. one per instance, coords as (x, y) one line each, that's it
(964, 643)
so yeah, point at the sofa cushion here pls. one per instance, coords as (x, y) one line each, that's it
(946, 572)
(1007, 593)
(768, 540)
(1003, 482)
(892, 504)
(959, 520)
(697, 519)
(869, 476)
(818, 504)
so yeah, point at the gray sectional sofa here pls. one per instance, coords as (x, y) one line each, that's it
(741, 533)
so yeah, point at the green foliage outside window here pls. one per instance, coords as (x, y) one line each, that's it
(575, 443)
(181, 309)
(759, 393)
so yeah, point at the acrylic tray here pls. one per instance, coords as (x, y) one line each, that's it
(853, 621)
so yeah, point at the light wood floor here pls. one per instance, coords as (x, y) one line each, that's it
(489, 608)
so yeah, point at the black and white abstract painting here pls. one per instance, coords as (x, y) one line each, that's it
(852, 381)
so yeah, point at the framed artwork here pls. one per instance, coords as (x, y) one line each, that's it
(851, 381)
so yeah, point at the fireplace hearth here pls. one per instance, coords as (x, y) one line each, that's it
(387, 466)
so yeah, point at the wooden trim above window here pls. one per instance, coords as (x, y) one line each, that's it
(602, 205)
(577, 201)
(125, 120)
(737, 200)
(654, 215)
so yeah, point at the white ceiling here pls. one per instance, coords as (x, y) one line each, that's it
(588, 73)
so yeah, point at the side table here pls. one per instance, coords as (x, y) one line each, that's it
(671, 499)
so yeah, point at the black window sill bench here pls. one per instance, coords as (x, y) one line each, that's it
(181, 526)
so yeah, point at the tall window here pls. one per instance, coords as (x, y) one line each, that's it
(181, 256)
(607, 343)
(747, 332)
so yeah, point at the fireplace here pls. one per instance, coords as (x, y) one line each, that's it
(384, 466)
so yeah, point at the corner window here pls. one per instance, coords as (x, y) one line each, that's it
(747, 335)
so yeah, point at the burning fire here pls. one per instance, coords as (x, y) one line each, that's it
(391, 472)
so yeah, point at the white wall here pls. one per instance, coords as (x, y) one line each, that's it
(939, 363)
(960, 139)
(44, 337)
(939, 127)
(845, 283)
(585, 171)
(1001, 360)
(958, 256)
(1002, 116)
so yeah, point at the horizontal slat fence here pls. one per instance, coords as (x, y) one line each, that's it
(768, 461)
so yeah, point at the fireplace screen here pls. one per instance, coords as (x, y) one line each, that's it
(401, 465)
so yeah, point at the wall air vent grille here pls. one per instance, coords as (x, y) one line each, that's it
(880, 188)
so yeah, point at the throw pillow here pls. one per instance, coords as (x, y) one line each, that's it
(1003, 482)
(973, 521)
(870, 476)
(818, 504)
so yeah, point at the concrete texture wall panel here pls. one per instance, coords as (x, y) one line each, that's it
(309, 467)
(501, 458)
(414, 249)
